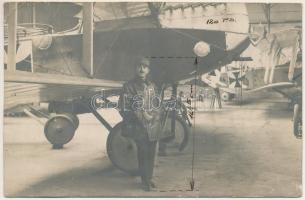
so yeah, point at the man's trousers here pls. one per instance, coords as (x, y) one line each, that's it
(146, 158)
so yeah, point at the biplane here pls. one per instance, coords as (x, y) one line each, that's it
(275, 64)
(250, 76)
(76, 68)
(282, 74)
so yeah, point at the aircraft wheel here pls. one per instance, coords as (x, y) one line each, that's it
(181, 137)
(122, 151)
(59, 130)
(297, 121)
(74, 119)
(225, 96)
(297, 127)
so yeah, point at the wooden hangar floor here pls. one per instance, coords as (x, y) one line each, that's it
(239, 151)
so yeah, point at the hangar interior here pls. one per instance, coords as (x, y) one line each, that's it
(230, 77)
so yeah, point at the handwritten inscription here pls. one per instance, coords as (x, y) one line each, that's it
(223, 20)
(189, 102)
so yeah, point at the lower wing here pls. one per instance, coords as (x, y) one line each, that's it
(23, 88)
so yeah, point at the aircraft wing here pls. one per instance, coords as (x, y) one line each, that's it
(43, 78)
(25, 87)
(281, 85)
(287, 89)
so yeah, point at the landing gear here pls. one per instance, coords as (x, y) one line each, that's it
(297, 121)
(60, 129)
(122, 151)
(175, 122)
(181, 135)
(297, 127)
(74, 119)
(63, 121)
(226, 96)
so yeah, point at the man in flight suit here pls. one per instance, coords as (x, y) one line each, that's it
(139, 105)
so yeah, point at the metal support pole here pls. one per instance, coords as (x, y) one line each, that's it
(268, 10)
(40, 121)
(12, 34)
(100, 118)
(174, 97)
(34, 14)
(218, 97)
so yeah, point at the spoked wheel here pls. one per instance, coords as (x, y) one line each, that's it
(122, 151)
(180, 139)
(59, 130)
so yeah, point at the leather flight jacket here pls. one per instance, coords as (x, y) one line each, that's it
(139, 96)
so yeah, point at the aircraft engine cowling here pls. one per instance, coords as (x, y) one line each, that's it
(202, 49)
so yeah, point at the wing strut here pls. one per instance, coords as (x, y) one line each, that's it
(87, 59)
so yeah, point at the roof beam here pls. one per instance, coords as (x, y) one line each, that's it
(278, 22)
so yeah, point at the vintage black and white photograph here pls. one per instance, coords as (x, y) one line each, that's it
(152, 99)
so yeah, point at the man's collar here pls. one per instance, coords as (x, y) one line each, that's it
(139, 80)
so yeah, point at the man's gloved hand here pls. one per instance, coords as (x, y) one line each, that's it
(147, 116)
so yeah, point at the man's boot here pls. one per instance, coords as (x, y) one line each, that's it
(162, 149)
(152, 184)
(145, 184)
